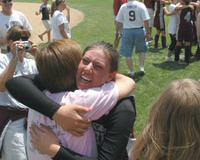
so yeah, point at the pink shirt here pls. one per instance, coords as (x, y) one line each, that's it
(99, 99)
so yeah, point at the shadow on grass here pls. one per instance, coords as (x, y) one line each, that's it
(174, 65)
(137, 76)
(156, 50)
(171, 66)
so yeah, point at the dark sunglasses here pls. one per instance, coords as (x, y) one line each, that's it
(4, 1)
(23, 38)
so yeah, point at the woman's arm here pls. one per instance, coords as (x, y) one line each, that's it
(125, 85)
(180, 7)
(7, 73)
(167, 13)
(198, 27)
(10, 68)
(62, 31)
(24, 89)
(164, 2)
(119, 123)
(68, 13)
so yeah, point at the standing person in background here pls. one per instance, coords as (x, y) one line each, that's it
(134, 16)
(172, 28)
(13, 113)
(60, 23)
(194, 20)
(116, 6)
(159, 23)
(9, 18)
(197, 55)
(45, 10)
(185, 33)
(172, 130)
(150, 8)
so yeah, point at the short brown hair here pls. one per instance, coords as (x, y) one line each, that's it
(57, 65)
(16, 32)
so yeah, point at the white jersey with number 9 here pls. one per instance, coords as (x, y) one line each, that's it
(132, 14)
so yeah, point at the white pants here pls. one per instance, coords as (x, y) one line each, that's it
(14, 142)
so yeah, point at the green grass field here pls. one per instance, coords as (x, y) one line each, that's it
(98, 25)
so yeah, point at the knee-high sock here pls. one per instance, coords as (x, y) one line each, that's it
(177, 53)
(198, 50)
(156, 40)
(187, 53)
(163, 38)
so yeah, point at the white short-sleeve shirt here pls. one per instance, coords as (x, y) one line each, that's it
(173, 22)
(132, 14)
(23, 68)
(16, 18)
(57, 19)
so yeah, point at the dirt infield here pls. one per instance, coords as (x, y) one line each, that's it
(29, 10)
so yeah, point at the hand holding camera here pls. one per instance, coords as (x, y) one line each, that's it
(19, 47)
(23, 45)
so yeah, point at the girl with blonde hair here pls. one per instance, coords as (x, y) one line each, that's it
(172, 131)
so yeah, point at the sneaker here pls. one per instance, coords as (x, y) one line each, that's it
(156, 47)
(151, 38)
(142, 72)
(182, 59)
(187, 63)
(168, 59)
(41, 38)
(131, 73)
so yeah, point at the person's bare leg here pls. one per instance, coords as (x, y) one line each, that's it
(116, 41)
(42, 34)
(49, 35)
(129, 63)
(142, 58)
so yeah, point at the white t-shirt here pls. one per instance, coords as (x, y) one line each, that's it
(100, 100)
(173, 22)
(132, 14)
(23, 68)
(17, 18)
(57, 19)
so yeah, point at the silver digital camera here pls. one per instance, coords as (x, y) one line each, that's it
(26, 45)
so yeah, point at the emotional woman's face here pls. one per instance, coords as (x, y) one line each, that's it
(93, 70)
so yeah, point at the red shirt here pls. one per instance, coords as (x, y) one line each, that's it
(117, 4)
(148, 3)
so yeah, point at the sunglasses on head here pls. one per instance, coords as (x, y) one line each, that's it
(4, 1)
(23, 38)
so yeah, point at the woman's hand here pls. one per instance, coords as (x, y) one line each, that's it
(17, 50)
(34, 48)
(44, 140)
(68, 118)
